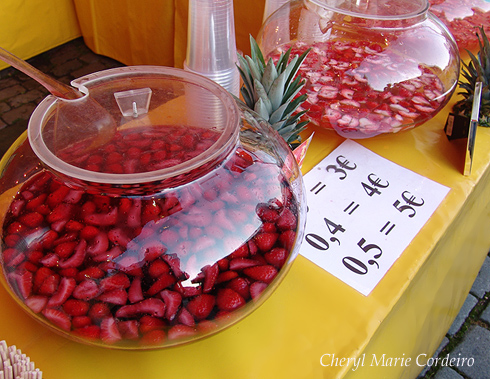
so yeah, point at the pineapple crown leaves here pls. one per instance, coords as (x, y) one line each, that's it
(477, 70)
(270, 90)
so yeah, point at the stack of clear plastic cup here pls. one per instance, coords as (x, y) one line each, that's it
(211, 43)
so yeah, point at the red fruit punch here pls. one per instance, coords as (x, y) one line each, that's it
(345, 85)
(147, 271)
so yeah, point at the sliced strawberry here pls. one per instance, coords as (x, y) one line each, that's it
(50, 260)
(40, 275)
(154, 337)
(117, 296)
(99, 244)
(65, 289)
(22, 282)
(87, 289)
(36, 302)
(49, 285)
(172, 301)
(98, 311)
(201, 306)
(206, 326)
(154, 250)
(210, 276)
(90, 332)
(135, 292)
(266, 241)
(148, 323)
(70, 272)
(13, 257)
(187, 291)
(65, 249)
(223, 264)
(256, 289)
(116, 281)
(62, 211)
(47, 239)
(241, 263)
(174, 263)
(129, 329)
(32, 220)
(58, 317)
(77, 258)
(226, 276)
(80, 321)
(73, 196)
(265, 273)
(152, 306)
(109, 332)
(267, 214)
(185, 317)
(163, 281)
(180, 331)
(276, 257)
(56, 197)
(157, 268)
(74, 307)
(88, 232)
(118, 237)
(91, 272)
(102, 219)
(287, 239)
(229, 300)
(36, 202)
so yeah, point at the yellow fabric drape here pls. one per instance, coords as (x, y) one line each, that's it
(31, 27)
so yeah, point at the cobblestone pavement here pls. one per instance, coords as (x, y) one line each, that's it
(469, 336)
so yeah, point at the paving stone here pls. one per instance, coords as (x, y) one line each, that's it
(34, 96)
(4, 107)
(7, 80)
(474, 346)
(482, 282)
(485, 316)
(21, 113)
(67, 52)
(442, 345)
(465, 310)
(67, 68)
(90, 68)
(447, 373)
(8, 92)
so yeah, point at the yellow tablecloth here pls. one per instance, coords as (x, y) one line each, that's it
(312, 313)
(31, 27)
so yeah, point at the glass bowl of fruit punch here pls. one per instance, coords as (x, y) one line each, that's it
(373, 67)
(174, 217)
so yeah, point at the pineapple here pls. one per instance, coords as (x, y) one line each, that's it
(478, 70)
(269, 90)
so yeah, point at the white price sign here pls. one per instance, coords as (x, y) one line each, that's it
(363, 211)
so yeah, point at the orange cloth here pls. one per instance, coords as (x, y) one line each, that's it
(153, 32)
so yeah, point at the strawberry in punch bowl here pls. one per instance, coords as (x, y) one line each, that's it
(174, 225)
(374, 67)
